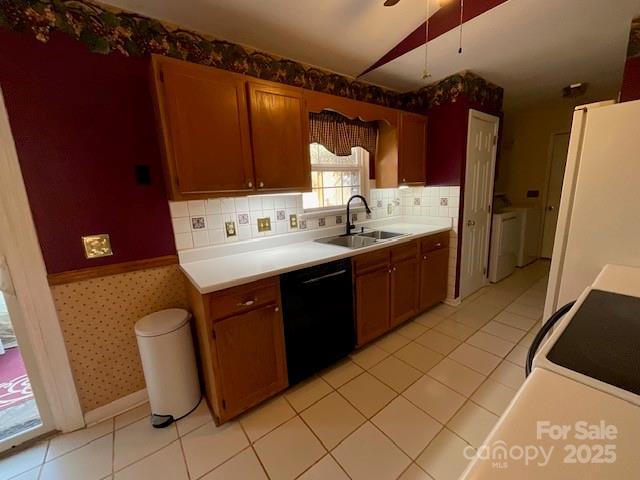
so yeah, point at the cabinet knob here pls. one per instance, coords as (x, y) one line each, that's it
(248, 303)
(394, 269)
(424, 258)
(390, 271)
(404, 179)
(277, 309)
(438, 244)
(261, 184)
(250, 184)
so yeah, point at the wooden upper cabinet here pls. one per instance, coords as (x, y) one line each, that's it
(280, 137)
(204, 125)
(412, 149)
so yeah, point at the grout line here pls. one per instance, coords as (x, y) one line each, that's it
(184, 456)
(148, 454)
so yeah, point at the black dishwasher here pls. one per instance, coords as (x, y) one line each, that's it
(319, 328)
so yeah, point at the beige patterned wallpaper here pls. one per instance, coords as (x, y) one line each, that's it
(97, 317)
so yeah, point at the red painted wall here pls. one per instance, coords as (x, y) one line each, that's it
(81, 122)
(631, 80)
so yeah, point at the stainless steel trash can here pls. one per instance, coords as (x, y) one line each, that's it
(169, 364)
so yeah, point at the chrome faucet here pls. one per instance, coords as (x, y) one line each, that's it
(350, 226)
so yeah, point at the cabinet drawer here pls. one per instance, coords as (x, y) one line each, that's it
(434, 242)
(243, 298)
(402, 252)
(370, 261)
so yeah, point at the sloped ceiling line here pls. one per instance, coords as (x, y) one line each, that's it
(445, 19)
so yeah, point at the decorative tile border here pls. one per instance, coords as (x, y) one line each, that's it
(106, 29)
(476, 89)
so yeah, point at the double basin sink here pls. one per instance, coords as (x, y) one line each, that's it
(360, 240)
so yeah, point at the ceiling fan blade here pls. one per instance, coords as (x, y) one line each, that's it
(390, 3)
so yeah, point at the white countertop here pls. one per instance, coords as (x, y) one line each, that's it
(550, 397)
(215, 269)
(563, 397)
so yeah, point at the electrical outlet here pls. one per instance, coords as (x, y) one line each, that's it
(264, 224)
(230, 228)
(96, 246)
(293, 221)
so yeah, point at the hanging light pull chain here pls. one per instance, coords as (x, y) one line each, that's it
(461, 22)
(426, 74)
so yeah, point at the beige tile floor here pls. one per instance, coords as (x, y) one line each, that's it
(404, 408)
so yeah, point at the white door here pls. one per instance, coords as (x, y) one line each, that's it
(559, 148)
(478, 191)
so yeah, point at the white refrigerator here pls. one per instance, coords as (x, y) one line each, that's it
(599, 215)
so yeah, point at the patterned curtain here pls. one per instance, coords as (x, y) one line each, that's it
(339, 134)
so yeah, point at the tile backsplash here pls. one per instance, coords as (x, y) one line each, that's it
(201, 223)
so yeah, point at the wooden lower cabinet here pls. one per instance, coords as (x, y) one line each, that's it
(434, 270)
(250, 350)
(241, 345)
(395, 284)
(372, 304)
(404, 290)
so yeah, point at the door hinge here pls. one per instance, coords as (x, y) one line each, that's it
(489, 208)
(495, 140)
(484, 270)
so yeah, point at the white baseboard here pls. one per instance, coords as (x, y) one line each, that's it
(454, 302)
(116, 407)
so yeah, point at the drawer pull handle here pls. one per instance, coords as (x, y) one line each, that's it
(248, 303)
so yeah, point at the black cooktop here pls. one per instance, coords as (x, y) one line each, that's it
(602, 340)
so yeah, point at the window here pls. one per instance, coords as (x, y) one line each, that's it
(334, 179)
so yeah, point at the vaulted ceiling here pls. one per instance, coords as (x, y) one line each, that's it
(532, 48)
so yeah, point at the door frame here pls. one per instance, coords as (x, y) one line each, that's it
(39, 323)
(489, 118)
(547, 180)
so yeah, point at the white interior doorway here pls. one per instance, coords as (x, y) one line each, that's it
(29, 304)
(478, 192)
(558, 153)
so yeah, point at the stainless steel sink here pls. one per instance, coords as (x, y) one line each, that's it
(351, 241)
(380, 235)
(360, 240)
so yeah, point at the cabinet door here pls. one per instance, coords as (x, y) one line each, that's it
(372, 304)
(251, 359)
(434, 271)
(280, 137)
(205, 125)
(412, 149)
(404, 290)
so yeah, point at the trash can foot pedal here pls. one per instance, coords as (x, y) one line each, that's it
(161, 421)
